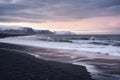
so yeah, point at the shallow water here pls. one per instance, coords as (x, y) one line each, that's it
(76, 52)
(96, 46)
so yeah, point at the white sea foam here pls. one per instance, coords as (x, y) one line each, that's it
(81, 45)
(77, 45)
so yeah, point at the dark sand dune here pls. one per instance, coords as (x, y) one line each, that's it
(16, 65)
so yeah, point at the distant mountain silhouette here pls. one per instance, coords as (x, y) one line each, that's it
(22, 30)
(27, 31)
(16, 30)
(44, 32)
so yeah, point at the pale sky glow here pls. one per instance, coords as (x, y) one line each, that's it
(81, 16)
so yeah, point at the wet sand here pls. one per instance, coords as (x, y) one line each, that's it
(108, 66)
(17, 64)
(102, 60)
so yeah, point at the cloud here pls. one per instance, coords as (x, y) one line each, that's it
(56, 10)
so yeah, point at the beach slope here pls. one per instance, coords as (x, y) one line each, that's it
(18, 65)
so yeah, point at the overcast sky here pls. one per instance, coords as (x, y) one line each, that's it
(82, 16)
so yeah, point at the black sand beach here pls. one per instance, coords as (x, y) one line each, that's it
(18, 65)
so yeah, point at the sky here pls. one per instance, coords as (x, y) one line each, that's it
(80, 16)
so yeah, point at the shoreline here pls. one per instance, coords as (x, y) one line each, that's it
(16, 65)
(90, 48)
(92, 64)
